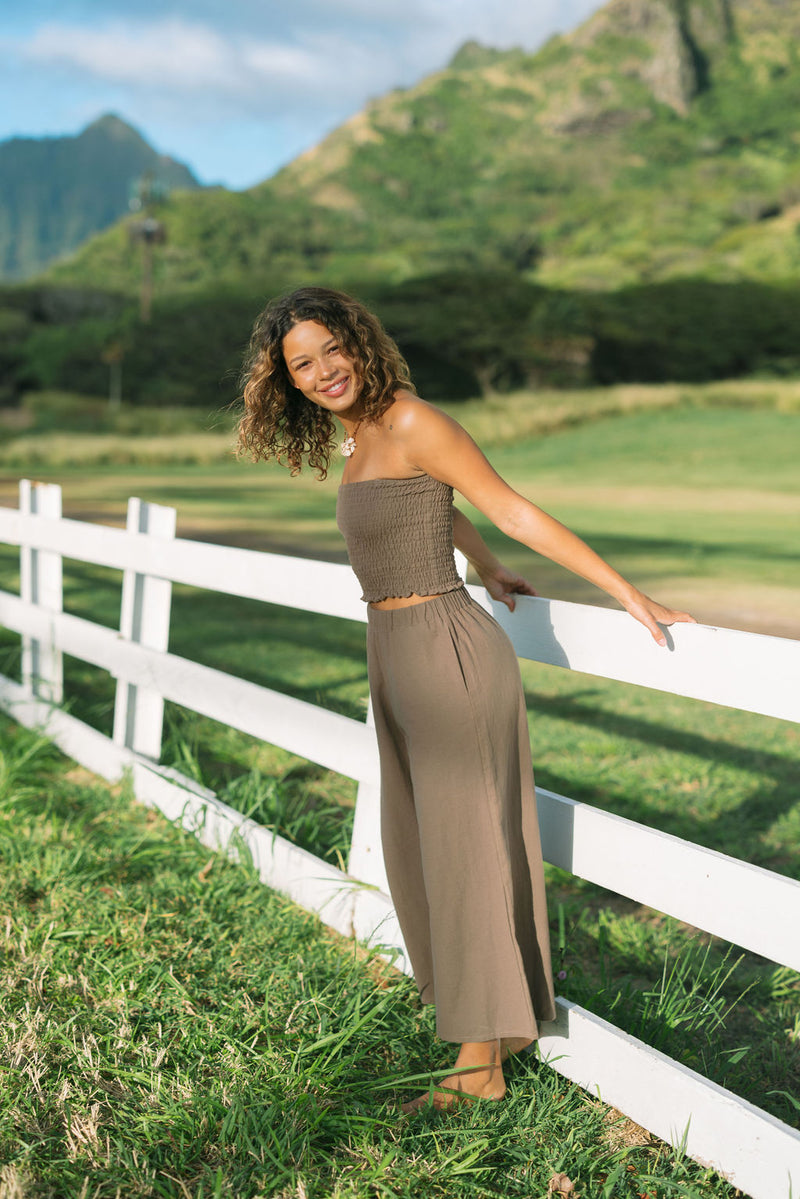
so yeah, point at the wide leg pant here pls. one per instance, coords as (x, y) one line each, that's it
(458, 811)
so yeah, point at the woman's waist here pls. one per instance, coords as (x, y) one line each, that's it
(407, 609)
(392, 602)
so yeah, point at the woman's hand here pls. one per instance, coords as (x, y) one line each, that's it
(652, 614)
(503, 585)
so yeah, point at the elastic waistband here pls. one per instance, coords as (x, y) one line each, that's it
(424, 613)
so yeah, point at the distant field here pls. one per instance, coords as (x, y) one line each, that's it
(694, 493)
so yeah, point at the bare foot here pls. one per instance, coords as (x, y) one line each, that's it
(479, 1076)
(451, 1092)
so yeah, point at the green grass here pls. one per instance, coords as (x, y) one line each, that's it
(170, 1027)
(717, 777)
(709, 447)
(691, 497)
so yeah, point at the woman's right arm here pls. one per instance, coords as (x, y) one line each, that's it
(501, 583)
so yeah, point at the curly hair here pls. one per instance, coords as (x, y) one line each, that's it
(278, 421)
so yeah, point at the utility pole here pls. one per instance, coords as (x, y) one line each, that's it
(149, 232)
(113, 356)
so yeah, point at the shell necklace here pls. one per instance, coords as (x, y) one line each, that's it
(348, 446)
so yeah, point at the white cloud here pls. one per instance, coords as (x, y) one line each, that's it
(172, 55)
(526, 23)
(340, 49)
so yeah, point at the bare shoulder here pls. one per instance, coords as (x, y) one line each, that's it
(431, 441)
(410, 416)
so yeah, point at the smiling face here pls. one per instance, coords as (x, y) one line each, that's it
(319, 367)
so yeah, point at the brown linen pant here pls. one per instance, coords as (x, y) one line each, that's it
(458, 812)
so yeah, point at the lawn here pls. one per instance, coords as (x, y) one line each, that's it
(699, 504)
(172, 1028)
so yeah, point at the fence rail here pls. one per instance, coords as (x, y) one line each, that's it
(715, 892)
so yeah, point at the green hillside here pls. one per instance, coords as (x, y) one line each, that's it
(659, 139)
(55, 192)
(621, 206)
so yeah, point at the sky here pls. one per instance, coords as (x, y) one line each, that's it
(237, 88)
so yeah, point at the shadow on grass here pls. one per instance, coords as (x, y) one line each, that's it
(730, 831)
(614, 547)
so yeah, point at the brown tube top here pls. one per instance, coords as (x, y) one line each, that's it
(399, 535)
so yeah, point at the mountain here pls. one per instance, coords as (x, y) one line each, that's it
(55, 192)
(659, 139)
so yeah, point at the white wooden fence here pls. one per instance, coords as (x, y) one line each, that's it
(752, 907)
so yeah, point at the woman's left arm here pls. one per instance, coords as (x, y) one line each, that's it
(546, 535)
(439, 446)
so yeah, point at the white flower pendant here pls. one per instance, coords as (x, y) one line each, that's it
(348, 446)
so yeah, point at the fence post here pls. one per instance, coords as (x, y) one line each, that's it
(40, 578)
(365, 861)
(144, 618)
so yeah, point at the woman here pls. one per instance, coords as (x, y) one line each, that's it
(458, 813)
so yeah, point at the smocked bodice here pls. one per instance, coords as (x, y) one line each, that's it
(399, 535)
